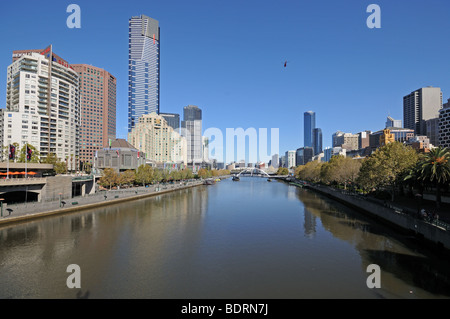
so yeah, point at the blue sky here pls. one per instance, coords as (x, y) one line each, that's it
(227, 57)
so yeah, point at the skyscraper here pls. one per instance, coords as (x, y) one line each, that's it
(317, 141)
(420, 106)
(173, 120)
(309, 122)
(191, 128)
(42, 104)
(143, 68)
(98, 109)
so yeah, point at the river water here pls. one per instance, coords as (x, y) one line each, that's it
(249, 239)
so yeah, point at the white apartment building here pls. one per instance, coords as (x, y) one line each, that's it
(42, 105)
(158, 140)
(290, 159)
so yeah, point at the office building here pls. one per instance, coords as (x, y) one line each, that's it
(433, 131)
(160, 143)
(444, 125)
(309, 124)
(363, 139)
(143, 68)
(191, 129)
(317, 141)
(304, 155)
(346, 140)
(97, 109)
(400, 135)
(390, 122)
(43, 105)
(419, 106)
(173, 120)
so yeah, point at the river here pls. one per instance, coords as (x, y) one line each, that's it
(249, 239)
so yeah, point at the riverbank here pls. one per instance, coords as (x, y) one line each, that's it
(30, 211)
(434, 232)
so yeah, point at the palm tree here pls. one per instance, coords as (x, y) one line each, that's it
(435, 167)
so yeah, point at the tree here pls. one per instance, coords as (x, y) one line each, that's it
(87, 167)
(144, 174)
(204, 173)
(283, 171)
(435, 168)
(128, 177)
(109, 178)
(60, 168)
(21, 156)
(384, 168)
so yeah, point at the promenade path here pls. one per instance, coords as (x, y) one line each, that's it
(24, 211)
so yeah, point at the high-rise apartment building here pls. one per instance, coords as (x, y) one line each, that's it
(160, 143)
(444, 125)
(143, 68)
(290, 159)
(43, 104)
(97, 109)
(309, 124)
(173, 120)
(191, 129)
(420, 106)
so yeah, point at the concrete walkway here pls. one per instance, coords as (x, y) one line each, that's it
(26, 211)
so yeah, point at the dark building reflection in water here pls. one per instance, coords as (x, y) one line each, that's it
(309, 224)
(419, 267)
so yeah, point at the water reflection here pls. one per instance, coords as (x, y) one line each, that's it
(247, 239)
(423, 271)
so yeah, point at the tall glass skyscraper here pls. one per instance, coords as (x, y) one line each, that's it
(309, 126)
(143, 68)
(317, 141)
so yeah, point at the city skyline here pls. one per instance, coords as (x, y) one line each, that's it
(341, 85)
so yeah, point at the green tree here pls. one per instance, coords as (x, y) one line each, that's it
(21, 156)
(204, 173)
(144, 174)
(385, 167)
(283, 171)
(109, 178)
(127, 178)
(435, 168)
(60, 168)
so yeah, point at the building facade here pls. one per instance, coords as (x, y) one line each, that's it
(191, 129)
(290, 159)
(419, 106)
(390, 122)
(97, 109)
(173, 120)
(121, 156)
(444, 125)
(309, 124)
(43, 105)
(348, 141)
(433, 131)
(160, 143)
(143, 68)
(317, 141)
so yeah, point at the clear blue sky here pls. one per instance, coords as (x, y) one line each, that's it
(227, 57)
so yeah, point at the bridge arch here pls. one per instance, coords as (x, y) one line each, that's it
(251, 170)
